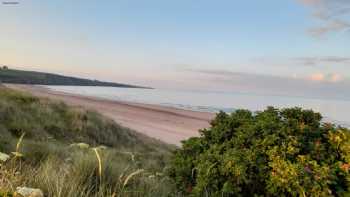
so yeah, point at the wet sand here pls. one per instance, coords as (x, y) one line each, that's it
(167, 124)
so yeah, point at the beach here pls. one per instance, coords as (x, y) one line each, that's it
(168, 124)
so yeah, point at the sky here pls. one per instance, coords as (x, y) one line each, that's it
(293, 47)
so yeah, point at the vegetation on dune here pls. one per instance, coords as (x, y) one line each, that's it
(39, 78)
(275, 152)
(67, 151)
(74, 152)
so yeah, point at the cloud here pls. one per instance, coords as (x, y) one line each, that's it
(335, 59)
(226, 74)
(331, 26)
(333, 16)
(317, 77)
(321, 85)
(314, 61)
(320, 77)
(336, 77)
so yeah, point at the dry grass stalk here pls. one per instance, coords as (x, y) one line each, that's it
(139, 171)
(99, 163)
(18, 146)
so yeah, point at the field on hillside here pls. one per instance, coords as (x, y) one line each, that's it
(39, 78)
(73, 152)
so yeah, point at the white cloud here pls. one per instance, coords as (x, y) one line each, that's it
(316, 61)
(318, 84)
(332, 15)
(330, 26)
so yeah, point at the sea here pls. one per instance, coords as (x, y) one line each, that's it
(333, 110)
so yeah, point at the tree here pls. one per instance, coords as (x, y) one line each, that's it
(274, 152)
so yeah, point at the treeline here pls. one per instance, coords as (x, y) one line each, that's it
(39, 78)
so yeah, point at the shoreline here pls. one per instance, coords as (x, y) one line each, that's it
(168, 124)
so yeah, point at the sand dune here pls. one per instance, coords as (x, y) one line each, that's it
(164, 123)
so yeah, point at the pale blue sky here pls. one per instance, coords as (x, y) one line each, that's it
(181, 43)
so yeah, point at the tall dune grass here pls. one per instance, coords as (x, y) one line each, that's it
(130, 165)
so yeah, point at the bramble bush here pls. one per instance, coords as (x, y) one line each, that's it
(275, 152)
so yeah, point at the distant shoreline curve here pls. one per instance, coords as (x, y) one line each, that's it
(168, 124)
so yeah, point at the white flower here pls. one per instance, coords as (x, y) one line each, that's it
(4, 157)
(29, 192)
(81, 145)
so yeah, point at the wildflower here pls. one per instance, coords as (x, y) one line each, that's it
(4, 157)
(80, 145)
(345, 167)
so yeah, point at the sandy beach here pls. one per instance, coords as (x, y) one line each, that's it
(164, 123)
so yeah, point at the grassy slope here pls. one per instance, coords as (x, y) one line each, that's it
(31, 77)
(51, 164)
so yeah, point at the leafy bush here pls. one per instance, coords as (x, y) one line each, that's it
(286, 152)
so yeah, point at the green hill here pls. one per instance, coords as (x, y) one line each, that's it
(39, 78)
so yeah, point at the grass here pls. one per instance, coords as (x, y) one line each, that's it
(115, 161)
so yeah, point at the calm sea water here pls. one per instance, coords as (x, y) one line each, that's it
(336, 111)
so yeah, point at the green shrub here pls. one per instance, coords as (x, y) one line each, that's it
(286, 152)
